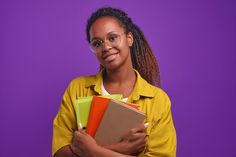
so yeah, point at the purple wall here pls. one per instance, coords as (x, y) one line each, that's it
(43, 47)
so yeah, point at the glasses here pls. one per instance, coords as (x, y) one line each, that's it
(113, 39)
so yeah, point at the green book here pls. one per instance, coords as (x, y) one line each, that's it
(82, 107)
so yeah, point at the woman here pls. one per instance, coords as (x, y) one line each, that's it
(128, 67)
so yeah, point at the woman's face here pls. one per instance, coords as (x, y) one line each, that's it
(110, 43)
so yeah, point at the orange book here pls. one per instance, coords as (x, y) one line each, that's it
(136, 106)
(98, 107)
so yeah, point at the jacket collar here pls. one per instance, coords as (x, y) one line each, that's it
(141, 88)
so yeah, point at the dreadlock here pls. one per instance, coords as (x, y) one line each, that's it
(142, 56)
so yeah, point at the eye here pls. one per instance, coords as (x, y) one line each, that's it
(96, 43)
(113, 37)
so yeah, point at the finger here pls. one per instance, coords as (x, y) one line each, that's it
(139, 128)
(79, 135)
(138, 145)
(138, 142)
(76, 133)
(137, 136)
(141, 147)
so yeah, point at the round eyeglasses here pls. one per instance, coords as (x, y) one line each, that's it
(113, 39)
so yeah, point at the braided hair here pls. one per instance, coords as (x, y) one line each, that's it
(142, 56)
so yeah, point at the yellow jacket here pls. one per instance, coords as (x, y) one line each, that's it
(153, 101)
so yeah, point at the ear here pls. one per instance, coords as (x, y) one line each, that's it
(130, 39)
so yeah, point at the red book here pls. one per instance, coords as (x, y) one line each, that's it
(98, 107)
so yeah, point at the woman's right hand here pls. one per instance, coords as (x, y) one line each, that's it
(133, 142)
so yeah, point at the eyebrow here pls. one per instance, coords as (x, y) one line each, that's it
(97, 38)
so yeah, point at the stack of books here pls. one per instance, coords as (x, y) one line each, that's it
(107, 118)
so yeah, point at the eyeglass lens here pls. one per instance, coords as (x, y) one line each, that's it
(111, 40)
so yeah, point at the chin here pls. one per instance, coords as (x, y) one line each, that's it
(112, 66)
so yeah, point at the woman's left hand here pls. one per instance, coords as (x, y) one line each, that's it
(132, 143)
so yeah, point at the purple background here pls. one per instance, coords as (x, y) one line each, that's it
(43, 47)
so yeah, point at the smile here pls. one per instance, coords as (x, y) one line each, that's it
(109, 57)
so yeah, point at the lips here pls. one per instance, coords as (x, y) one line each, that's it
(109, 56)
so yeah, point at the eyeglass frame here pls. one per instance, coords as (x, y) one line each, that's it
(106, 40)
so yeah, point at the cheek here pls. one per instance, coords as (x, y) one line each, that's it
(125, 47)
(125, 50)
(99, 58)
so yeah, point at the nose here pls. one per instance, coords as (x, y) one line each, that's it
(106, 45)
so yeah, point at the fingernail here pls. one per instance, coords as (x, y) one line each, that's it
(80, 126)
(146, 125)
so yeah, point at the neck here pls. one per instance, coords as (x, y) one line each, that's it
(121, 80)
(120, 76)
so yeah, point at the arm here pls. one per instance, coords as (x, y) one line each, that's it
(64, 125)
(161, 133)
(85, 146)
(65, 152)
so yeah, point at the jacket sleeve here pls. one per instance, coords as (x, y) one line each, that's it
(64, 123)
(161, 134)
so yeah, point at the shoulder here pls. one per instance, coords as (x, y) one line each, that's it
(160, 93)
(82, 82)
(83, 79)
(148, 90)
(161, 99)
(157, 99)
